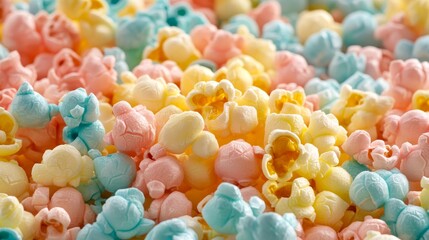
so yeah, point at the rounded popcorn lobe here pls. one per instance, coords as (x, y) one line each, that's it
(238, 162)
(184, 127)
(63, 166)
(369, 191)
(13, 179)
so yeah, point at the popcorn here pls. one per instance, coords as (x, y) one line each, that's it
(374, 154)
(150, 179)
(238, 162)
(224, 211)
(174, 228)
(290, 102)
(15, 218)
(13, 179)
(310, 22)
(63, 166)
(122, 217)
(165, 94)
(405, 221)
(54, 223)
(324, 132)
(173, 44)
(116, 166)
(8, 126)
(30, 109)
(359, 110)
(329, 209)
(134, 129)
(286, 156)
(296, 197)
(284, 226)
(170, 206)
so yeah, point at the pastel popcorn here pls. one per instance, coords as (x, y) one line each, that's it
(223, 46)
(407, 49)
(310, 22)
(377, 60)
(122, 217)
(13, 179)
(235, 22)
(235, 155)
(54, 223)
(424, 194)
(322, 56)
(361, 229)
(415, 73)
(168, 70)
(224, 211)
(379, 187)
(419, 101)
(358, 29)
(14, 217)
(285, 156)
(29, 46)
(8, 143)
(374, 154)
(266, 12)
(324, 232)
(363, 82)
(258, 72)
(192, 134)
(68, 199)
(282, 35)
(324, 132)
(258, 48)
(400, 217)
(150, 179)
(63, 166)
(361, 5)
(284, 226)
(113, 166)
(394, 127)
(96, 28)
(360, 110)
(192, 75)
(291, 122)
(225, 9)
(223, 116)
(172, 228)
(184, 52)
(165, 94)
(291, 102)
(325, 92)
(393, 33)
(144, 34)
(132, 124)
(77, 108)
(329, 209)
(26, 102)
(330, 173)
(14, 74)
(170, 206)
(295, 197)
(342, 66)
(80, 113)
(291, 68)
(412, 159)
(98, 72)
